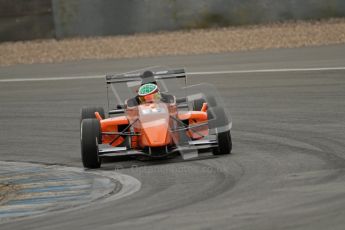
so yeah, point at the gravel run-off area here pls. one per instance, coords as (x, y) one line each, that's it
(199, 41)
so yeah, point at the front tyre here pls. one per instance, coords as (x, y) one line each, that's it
(224, 143)
(198, 103)
(89, 112)
(218, 122)
(90, 134)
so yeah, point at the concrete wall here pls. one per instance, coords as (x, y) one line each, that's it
(109, 17)
(113, 17)
(25, 19)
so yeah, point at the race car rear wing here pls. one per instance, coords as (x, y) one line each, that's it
(127, 77)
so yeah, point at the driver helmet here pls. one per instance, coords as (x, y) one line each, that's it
(149, 93)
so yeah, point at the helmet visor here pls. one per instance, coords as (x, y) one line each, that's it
(150, 98)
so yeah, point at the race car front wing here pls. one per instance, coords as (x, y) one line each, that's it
(184, 150)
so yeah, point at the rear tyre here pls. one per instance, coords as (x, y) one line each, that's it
(218, 121)
(89, 112)
(90, 134)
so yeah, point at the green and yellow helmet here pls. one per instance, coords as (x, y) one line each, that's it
(149, 93)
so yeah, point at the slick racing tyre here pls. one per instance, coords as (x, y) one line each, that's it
(224, 143)
(90, 135)
(218, 121)
(197, 104)
(89, 112)
(211, 101)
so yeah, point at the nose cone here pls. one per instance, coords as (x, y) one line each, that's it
(154, 120)
(156, 133)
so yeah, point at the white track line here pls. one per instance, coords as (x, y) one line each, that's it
(268, 70)
(51, 78)
(190, 73)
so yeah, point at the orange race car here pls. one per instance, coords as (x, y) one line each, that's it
(156, 115)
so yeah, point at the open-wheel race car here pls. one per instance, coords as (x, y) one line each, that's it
(155, 114)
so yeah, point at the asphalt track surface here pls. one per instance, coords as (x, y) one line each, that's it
(287, 166)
